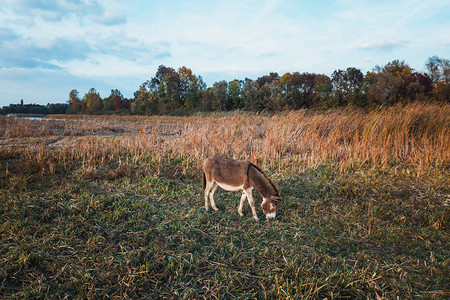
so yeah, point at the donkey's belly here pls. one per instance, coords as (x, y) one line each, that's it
(230, 188)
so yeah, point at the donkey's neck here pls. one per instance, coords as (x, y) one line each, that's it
(260, 182)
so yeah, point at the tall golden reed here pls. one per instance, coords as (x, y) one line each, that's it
(415, 135)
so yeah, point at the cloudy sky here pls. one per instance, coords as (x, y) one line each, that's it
(49, 47)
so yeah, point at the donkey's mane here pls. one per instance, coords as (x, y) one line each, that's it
(268, 179)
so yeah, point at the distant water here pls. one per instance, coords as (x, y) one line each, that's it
(33, 118)
(42, 118)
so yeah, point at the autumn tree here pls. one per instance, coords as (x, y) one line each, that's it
(118, 99)
(169, 91)
(93, 101)
(418, 86)
(113, 101)
(75, 103)
(188, 82)
(191, 87)
(386, 85)
(380, 87)
(401, 71)
(144, 102)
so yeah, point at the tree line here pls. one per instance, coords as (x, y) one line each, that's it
(35, 109)
(178, 92)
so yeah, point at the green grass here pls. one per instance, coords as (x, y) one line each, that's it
(135, 232)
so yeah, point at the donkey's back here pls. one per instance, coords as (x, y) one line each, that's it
(226, 172)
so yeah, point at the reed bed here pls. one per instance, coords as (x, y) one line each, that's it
(414, 136)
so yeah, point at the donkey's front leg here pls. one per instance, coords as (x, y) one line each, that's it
(241, 205)
(252, 204)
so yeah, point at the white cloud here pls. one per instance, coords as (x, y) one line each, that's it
(385, 46)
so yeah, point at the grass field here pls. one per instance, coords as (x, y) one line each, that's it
(112, 207)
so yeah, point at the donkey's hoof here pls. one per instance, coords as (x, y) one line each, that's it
(216, 209)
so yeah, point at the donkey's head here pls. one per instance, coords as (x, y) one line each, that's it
(269, 206)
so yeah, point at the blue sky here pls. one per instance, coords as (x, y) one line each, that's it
(49, 47)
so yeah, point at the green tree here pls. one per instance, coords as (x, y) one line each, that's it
(273, 96)
(322, 91)
(439, 71)
(166, 90)
(252, 99)
(207, 99)
(264, 99)
(220, 91)
(235, 94)
(57, 108)
(438, 68)
(347, 86)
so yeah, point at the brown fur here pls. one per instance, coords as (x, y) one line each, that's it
(263, 189)
(225, 170)
(233, 175)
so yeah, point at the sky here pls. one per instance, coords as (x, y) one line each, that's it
(50, 47)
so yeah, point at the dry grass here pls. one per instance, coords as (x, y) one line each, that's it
(413, 137)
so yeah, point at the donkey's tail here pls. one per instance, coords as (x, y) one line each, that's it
(204, 181)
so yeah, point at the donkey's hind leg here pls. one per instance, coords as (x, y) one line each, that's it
(211, 196)
(241, 205)
(208, 186)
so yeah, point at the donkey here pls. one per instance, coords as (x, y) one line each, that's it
(235, 175)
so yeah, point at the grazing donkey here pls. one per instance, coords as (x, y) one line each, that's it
(235, 175)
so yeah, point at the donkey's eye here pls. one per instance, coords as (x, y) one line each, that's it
(272, 206)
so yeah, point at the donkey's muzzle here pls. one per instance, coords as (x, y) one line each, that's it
(271, 216)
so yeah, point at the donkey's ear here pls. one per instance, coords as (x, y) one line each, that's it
(276, 198)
